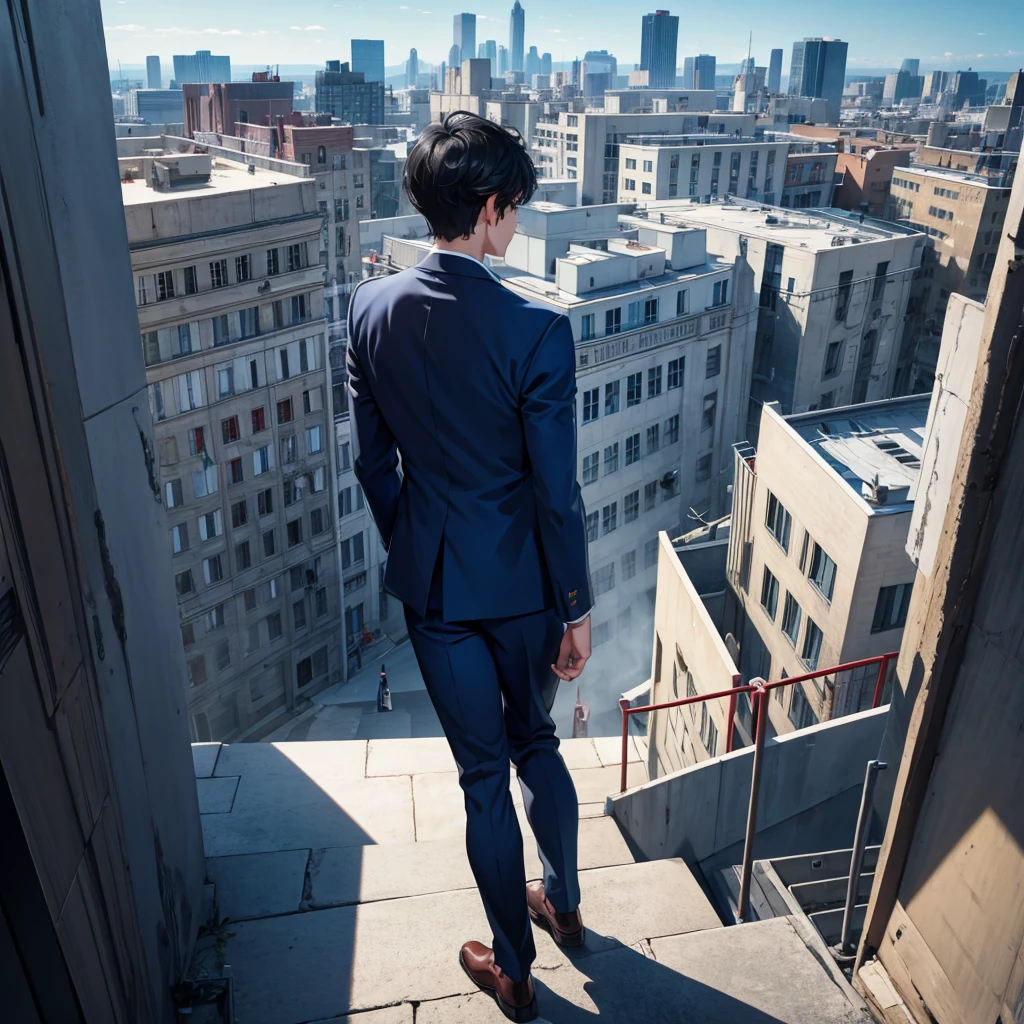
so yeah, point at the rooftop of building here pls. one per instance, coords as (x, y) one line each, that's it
(225, 177)
(948, 175)
(875, 447)
(816, 230)
(691, 139)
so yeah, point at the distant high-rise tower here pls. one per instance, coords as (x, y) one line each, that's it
(818, 68)
(658, 37)
(368, 57)
(502, 60)
(455, 57)
(545, 63)
(491, 53)
(464, 35)
(775, 72)
(532, 63)
(517, 38)
(687, 73)
(201, 67)
(703, 71)
(153, 77)
(412, 69)
(912, 66)
(747, 65)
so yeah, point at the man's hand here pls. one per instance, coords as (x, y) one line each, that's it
(574, 651)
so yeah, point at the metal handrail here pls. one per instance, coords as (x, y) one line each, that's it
(760, 688)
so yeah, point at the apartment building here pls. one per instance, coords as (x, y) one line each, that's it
(809, 180)
(866, 169)
(586, 146)
(230, 302)
(657, 167)
(832, 293)
(817, 558)
(962, 214)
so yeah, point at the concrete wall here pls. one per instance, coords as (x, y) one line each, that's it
(93, 734)
(688, 650)
(701, 810)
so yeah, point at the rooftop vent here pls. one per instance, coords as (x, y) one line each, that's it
(771, 220)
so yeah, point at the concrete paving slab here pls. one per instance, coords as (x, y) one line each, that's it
(579, 753)
(332, 759)
(393, 725)
(204, 757)
(294, 811)
(389, 1015)
(594, 784)
(409, 757)
(609, 750)
(780, 980)
(258, 884)
(216, 795)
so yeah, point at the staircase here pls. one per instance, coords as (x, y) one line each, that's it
(340, 867)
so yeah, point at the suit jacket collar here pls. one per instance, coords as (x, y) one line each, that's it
(449, 263)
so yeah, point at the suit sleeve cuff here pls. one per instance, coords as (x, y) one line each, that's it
(576, 622)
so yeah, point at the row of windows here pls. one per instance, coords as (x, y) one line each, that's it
(940, 213)
(913, 186)
(657, 438)
(167, 284)
(946, 193)
(603, 579)
(605, 522)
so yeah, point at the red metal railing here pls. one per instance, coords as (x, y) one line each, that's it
(760, 701)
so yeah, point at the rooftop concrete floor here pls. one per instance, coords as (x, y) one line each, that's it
(340, 867)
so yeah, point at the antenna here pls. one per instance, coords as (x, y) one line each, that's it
(750, 43)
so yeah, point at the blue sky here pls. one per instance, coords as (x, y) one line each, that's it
(984, 34)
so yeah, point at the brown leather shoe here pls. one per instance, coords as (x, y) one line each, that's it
(565, 929)
(515, 999)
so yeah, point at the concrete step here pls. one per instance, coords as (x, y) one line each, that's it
(828, 892)
(829, 923)
(810, 867)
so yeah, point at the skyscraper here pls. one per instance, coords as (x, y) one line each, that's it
(818, 68)
(688, 72)
(658, 37)
(703, 71)
(912, 66)
(347, 95)
(153, 76)
(412, 69)
(545, 63)
(517, 37)
(202, 67)
(775, 72)
(368, 57)
(464, 35)
(491, 53)
(502, 60)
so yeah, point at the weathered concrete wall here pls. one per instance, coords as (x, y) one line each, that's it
(700, 811)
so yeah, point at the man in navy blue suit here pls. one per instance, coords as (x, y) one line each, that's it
(462, 402)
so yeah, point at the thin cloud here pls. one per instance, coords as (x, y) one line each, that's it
(308, 28)
(124, 28)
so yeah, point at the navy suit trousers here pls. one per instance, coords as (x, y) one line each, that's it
(491, 683)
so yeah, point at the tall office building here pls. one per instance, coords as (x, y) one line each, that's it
(464, 35)
(348, 96)
(703, 71)
(491, 53)
(818, 68)
(775, 72)
(659, 34)
(503, 64)
(687, 82)
(153, 76)
(368, 58)
(201, 67)
(747, 65)
(517, 37)
(412, 68)
(912, 66)
(531, 65)
(545, 63)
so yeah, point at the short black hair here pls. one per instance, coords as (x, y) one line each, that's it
(456, 164)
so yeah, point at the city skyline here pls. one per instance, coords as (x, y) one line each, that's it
(307, 32)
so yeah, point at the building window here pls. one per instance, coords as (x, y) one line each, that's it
(289, 449)
(645, 188)
(653, 435)
(708, 731)
(707, 421)
(604, 579)
(314, 440)
(229, 429)
(265, 502)
(273, 267)
(593, 524)
(591, 399)
(650, 311)
(713, 363)
(630, 164)
(833, 359)
(587, 327)
(634, 389)
(843, 296)
(213, 572)
(261, 461)
(211, 525)
(611, 458)
(769, 593)
(165, 285)
(613, 320)
(352, 552)
(243, 558)
(823, 572)
(651, 553)
(191, 282)
(654, 382)
(590, 468)
(778, 521)
(629, 565)
(800, 713)
(299, 615)
(239, 514)
(791, 614)
(704, 468)
(243, 271)
(294, 532)
(316, 522)
(672, 429)
(629, 184)
(179, 538)
(295, 257)
(284, 411)
(650, 495)
(259, 420)
(632, 449)
(682, 308)
(891, 607)
(609, 516)
(631, 506)
(720, 293)
(675, 373)
(269, 544)
(878, 289)
(235, 474)
(812, 645)
(219, 273)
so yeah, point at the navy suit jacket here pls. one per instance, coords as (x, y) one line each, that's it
(474, 386)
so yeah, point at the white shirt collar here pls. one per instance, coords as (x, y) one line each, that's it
(466, 256)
